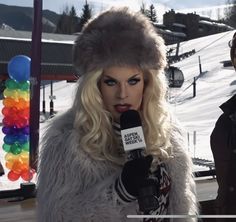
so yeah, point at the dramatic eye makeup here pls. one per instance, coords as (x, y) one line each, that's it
(109, 81)
(134, 80)
(131, 81)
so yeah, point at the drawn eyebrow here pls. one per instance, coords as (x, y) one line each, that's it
(109, 77)
(135, 75)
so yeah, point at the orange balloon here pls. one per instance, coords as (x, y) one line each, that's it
(17, 167)
(9, 102)
(24, 166)
(9, 164)
(22, 104)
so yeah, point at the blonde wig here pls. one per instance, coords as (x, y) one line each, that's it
(94, 122)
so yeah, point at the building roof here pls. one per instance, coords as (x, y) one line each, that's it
(56, 53)
(28, 35)
(179, 25)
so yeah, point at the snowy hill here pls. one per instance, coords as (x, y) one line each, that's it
(198, 114)
(214, 86)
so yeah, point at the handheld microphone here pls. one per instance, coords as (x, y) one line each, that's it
(134, 144)
(132, 134)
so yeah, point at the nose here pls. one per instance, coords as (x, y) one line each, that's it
(122, 91)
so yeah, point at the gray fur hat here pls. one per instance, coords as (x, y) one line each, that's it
(118, 37)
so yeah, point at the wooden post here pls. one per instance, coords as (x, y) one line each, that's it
(194, 87)
(177, 52)
(44, 102)
(200, 65)
(35, 80)
(51, 100)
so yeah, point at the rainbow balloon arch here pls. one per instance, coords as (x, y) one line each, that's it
(16, 119)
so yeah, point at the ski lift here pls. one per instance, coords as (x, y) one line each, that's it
(175, 77)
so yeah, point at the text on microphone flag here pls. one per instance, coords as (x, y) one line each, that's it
(133, 138)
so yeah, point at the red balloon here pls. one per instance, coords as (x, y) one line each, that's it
(24, 113)
(21, 122)
(5, 111)
(13, 176)
(27, 175)
(9, 111)
(7, 121)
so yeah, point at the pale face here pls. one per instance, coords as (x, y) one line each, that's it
(122, 89)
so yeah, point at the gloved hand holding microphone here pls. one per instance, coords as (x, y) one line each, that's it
(134, 177)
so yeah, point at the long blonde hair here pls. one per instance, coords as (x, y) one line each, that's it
(94, 123)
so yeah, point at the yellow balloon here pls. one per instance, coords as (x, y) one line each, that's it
(11, 157)
(24, 157)
(10, 93)
(24, 95)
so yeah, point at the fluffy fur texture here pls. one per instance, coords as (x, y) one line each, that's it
(73, 187)
(118, 37)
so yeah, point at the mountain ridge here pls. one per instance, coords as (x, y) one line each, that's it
(21, 18)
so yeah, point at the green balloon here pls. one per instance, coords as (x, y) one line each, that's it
(11, 84)
(24, 85)
(16, 148)
(6, 147)
(25, 146)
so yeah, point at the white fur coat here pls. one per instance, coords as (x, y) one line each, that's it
(72, 187)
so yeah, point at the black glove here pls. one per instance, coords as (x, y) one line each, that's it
(134, 174)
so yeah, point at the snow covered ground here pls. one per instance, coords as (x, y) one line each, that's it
(199, 114)
(216, 85)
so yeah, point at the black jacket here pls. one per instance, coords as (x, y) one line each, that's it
(1, 170)
(223, 145)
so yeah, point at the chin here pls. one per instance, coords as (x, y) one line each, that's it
(116, 118)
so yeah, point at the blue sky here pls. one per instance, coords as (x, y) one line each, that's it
(59, 5)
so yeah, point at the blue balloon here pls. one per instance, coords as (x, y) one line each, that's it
(19, 68)
(10, 139)
(22, 138)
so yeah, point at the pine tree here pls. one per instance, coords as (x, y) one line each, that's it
(143, 9)
(231, 13)
(68, 21)
(151, 13)
(73, 20)
(86, 14)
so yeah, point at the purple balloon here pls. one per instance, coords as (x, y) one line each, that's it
(25, 130)
(6, 130)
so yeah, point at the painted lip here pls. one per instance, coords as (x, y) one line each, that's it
(120, 108)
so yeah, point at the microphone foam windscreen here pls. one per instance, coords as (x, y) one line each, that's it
(130, 119)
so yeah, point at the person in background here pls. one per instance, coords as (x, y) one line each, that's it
(1, 170)
(223, 145)
(84, 173)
